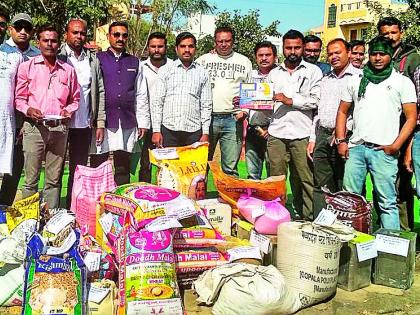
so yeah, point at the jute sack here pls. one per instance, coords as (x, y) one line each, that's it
(245, 289)
(308, 258)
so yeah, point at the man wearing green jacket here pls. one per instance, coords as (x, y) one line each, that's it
(406, 59)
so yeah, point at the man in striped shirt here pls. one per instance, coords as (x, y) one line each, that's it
(328, 165)
(182, 103)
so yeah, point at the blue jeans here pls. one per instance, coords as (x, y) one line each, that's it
(415, 153)
(255, 153)
(228, 131)
(383, 169)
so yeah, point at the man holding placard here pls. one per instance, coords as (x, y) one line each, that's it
(258, 121)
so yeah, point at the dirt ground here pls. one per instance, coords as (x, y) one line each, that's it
(372, 300)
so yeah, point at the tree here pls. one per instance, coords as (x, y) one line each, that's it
(410, 19)
(204, 45)
(58, 12)
(166, 16)
(248, 31)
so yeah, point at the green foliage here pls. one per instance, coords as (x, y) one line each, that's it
(410, 19)
(139, 32)
(204, 45)
(248, 31)
(167, 14)
(165, 17)
(58, 12)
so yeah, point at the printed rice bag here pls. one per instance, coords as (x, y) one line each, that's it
(147, 202)
(147, 273)
(3, 222)
(12, 250)
(197, 233)
(23, 217)
(182, 169)
(157, 201)
(11, 279)
(198, 260)
(53, 284)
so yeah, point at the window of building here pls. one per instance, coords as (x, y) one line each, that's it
(353, 34)
(332, 15)
(364, 33)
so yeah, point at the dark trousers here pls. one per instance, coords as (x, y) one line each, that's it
(10, 182)
(78, 145)
(145, 173)
(121, 165)
(328, 168)
(405, 194)
(173, 138)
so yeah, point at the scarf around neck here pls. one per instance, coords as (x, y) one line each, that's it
(370, 74)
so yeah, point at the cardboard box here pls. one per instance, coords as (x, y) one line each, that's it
(354, 275)
(395, 264)
(242, 229)
(219, 215)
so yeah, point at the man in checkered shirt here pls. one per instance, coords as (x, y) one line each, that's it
(182, 102)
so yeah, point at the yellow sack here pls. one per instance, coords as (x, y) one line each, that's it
(230, 188)
(182, 169)
(23, 217)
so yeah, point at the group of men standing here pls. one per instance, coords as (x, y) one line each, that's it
(331, 123)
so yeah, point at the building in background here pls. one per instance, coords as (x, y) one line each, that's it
(317, 31)
(350, 19)
(201, 25)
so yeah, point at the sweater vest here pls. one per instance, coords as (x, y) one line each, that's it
(119, 75)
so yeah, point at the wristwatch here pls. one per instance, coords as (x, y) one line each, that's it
(337, 141)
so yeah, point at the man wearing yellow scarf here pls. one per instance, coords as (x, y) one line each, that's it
(377, 97)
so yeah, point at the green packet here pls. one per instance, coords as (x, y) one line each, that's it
(53, 284)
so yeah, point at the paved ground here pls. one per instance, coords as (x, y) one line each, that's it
(372, 300)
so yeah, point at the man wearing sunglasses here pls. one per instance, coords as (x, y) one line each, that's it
(21, 32)
(126, 104)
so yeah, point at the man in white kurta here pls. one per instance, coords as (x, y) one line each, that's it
(9, 63)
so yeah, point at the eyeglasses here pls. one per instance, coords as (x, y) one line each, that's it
(3, 24)
(27, 27)
(118, 35)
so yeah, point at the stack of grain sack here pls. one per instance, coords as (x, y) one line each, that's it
(301, 261)
(132, 249)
